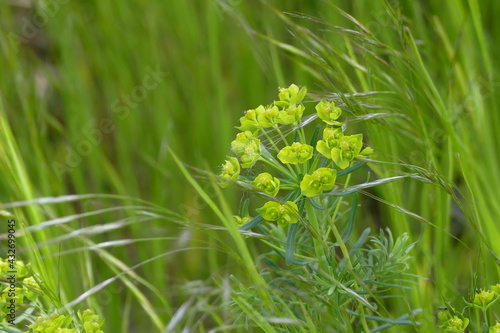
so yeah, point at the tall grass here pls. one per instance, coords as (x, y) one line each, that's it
(92, 99)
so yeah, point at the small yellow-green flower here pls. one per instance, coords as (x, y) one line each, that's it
(251, 155)
(267, 183)
(291, 115)
(32, 289)
(268, 117)
(484, 299)
(249, 121)
(53, 324)
(456, 324)
(495, 329)
(282, 213)
(328, 112)
(241, 142)
(290, 96)
(348, 148)
(91, 321)
(331, 139)
(241, 220)
(230, 170)
(296, 153)
(321, 180)
(495, 288)
(247, 147)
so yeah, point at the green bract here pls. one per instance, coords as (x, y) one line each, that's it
(321, 180)
(328, 112)
(243, 139)
(267, 183)
(331, 139)
(230, 170)
(269, 117)
(348, 148)
(495, 329)
(290, 96)
(53, 324)
(456, 324)
(282, 213)
(249, 121)
(296, 153)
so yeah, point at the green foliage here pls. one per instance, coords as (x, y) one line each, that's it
(94, 94)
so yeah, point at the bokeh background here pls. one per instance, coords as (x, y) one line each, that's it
(93, 94)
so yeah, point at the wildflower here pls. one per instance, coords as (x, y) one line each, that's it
(348, 148)
(91, 321)
(282, 213)
(268, 117)
(321, 180)
(296, 153)
(247, 147)
(53, 323)
(267, 183)
(328, 112)
(241, 220)
(331, 139)
(243, 139)
(249, 121)
(290, 96)
(367, 151)
(291, 115)
(484, 299)
(456, 323)
(230, 170)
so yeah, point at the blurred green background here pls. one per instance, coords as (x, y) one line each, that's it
(93, 93)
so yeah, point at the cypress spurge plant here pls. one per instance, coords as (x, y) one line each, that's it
(476, 316)
(300, 186)
(30, 305)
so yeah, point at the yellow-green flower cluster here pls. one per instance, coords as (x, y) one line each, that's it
(54, 323)
(91, 321)
(267, 183)
(247, 147)
(341, 149)
(319, 181)
(287, 110)
(295, 165)
(230, 170)
(284, 214)
(296, 153)
(328, 112)
(483, 299)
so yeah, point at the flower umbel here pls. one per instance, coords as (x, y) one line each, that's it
(247, 147)
(328, 112)
(296, 153)
(484, 299)
(291, 96)
(348, 148)
(321, 180)
(282, 213)
(331, 139)
(230, 170)
(267, 183)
